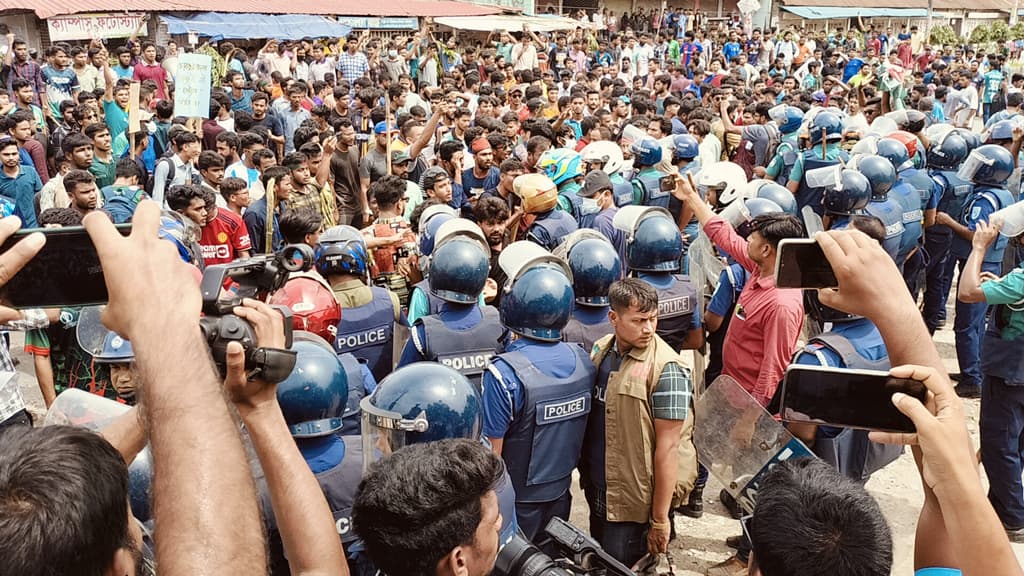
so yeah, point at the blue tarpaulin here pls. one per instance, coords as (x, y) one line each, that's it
(280, 26)
(829, 12)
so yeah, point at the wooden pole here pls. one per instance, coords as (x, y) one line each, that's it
(269, 236)
(387, 130)
(823, 143)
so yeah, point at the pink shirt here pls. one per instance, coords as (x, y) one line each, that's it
(154, 72)
(764, 329)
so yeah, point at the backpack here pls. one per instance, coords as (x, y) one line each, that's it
(171, 172)
(121, 203)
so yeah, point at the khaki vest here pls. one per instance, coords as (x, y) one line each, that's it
(629, 424)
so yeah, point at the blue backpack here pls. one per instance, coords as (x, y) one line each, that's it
(121, 201)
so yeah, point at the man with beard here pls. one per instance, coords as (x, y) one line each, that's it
(482, 175)
(81, 188)
(508, 172)
(492, 214)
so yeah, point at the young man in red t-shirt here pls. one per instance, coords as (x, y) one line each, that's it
(225, 237)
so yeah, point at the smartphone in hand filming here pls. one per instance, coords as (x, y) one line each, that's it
(801, 263)
(847, 398)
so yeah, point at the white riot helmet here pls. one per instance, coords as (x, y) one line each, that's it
(727, 179)
(605, 152)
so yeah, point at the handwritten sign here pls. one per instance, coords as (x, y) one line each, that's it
(85, 26)
(134, 113)
(192, 89)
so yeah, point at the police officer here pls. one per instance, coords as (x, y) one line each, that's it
(462, 335)
(920, 214)
(881, 175)
(947, 152)
(607, 156)
(825, 132)
(789, 119)
(315, 311)
(118, 355)
(565, 168)
(422, 302)
(647, 181)
(369, 313)
(537, 392)
(988, 168)
(653, 247)
(544, 225)
(685, 150)
(426, 402)
(894, 148)
(313, 400)
(854, 191)
(594, 264)
(1002, 399)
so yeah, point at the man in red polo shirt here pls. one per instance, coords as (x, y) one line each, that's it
(763, 332)
(225, 237)
(149, 69)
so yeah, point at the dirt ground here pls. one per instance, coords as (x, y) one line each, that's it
(701, 543)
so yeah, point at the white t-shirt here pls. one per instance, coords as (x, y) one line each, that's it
(969, 96)
(524, 56)
(598, 20)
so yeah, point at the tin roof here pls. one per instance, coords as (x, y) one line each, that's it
(47, 8)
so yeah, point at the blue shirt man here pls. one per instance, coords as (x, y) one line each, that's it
(20, 184)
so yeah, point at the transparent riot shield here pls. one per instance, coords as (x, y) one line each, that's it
(399, 336)
(738, 441)
(90, 331)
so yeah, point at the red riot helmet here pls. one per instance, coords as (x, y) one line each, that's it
(313, 306)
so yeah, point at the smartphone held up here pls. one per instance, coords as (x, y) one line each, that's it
(802, 264)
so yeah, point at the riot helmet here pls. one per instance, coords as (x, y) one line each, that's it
(537, 297)
(420, 402)
(880, 174)
(460, 263)
(430, 220)
(684, 147)
(594, 264)
(342, 250)
(895, 152)
(849, 195)
(989, 165)
(314, 395)
(948, 151)
(604, 152)
(828, 124)
(725, 179)
(653, 241)
(314, 308)
(646, 150)
(780, 195)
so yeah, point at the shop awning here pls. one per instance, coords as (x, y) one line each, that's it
(510, 22)
(233, 26)
(837, 12)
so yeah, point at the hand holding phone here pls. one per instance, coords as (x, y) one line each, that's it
(801, 263)
(847, 398)
(668, 183)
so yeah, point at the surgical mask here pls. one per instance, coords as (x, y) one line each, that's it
(570, 144)
(589, 206)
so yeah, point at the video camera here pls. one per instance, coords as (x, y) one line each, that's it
(583, 555)
(256, 278)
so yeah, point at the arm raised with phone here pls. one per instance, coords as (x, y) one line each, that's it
(958, 527)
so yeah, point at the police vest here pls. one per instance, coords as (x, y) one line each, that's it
(585, 334)
(955, 191)
(433, 302)
(543, 443)
(366, 332)
(582, 214)
(788, 153)
(351, 424)
(998, 198)
(909, 200)
(676, 307)
(650, 185)
(622, 192)
(466, 351)
(922, 183)
(851, 452)
(557, 224)
(890, 212)
(807, 196)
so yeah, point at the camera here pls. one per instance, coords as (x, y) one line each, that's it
(583, 555)
(255, 278)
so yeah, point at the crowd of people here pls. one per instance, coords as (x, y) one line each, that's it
(532, 253)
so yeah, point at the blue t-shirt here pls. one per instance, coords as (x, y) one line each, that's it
(728, 291)
(22, 191)
(60, 86)
(476, 186)
(116, 118)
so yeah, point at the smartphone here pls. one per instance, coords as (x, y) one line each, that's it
(668, 183)
(847, 398)
(66, 272)
(802, 264)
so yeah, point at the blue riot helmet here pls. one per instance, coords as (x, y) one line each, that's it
(653, 241)
(420, 402)
(684, 147)
(460, 263)
(646, 151)
(828, 124)
(989, 165)
(788, 118)
(781, 196)
(849, 195)
(753, 208)
(895, 152)
(537, 298)
(342, 250)
(116, 350)
(880, 174)
(313, 397)
(594, 263)
(948, 151)
(1002, 130)
(973, 139)
(430, 220)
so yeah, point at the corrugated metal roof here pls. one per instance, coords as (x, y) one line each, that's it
(830, 12)
(47, 8)
(974, 5)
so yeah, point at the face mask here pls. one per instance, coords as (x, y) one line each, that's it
(627, 166)
(589, 206)
(570, 144)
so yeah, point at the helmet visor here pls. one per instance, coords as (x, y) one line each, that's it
(825, 177)
(384, 432)
(971, 166)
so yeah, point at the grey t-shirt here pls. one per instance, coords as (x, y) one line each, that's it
(374, 165)
(759, 136)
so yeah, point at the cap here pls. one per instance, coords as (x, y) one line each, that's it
(625, 99)
(534, 103)
(480, 144)
(518, 88)
(399, 157)
(595, 181)
(382, 127)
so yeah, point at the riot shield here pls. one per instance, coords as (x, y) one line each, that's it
(90, 331)
(399, 336)
(738, 441)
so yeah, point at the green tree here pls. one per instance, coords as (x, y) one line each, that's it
(979, 35)
(944, 36)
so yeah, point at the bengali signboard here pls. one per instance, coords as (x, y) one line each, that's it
(88, 26)
(374, 23)
(192, 86)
